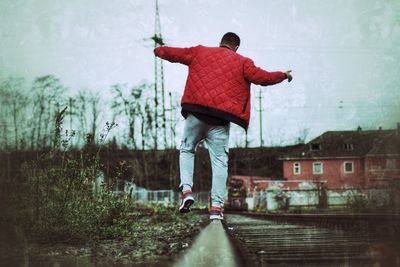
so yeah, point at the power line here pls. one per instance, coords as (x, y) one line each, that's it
(312, 107)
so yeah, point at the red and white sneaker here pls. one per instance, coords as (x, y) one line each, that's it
(187, 200)
(216, 213)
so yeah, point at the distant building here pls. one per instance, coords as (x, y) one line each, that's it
(347, 159)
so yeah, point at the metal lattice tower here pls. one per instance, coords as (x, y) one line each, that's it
(159, 92)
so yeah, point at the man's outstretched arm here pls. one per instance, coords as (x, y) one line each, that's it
(259, 76)
(175, 54)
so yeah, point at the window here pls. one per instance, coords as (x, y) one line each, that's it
(391, 164)
(318, 168)
(315, 146)
(348, 146)
(296, 168)
(348, 167)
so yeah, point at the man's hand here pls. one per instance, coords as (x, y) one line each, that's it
(289, 75)
(156, 51)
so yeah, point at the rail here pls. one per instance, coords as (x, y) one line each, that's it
(314, 239)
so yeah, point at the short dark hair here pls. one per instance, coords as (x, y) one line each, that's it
(230, 38)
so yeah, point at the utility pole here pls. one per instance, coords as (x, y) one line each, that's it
(171, 120)
(260, 110)
(159, 83)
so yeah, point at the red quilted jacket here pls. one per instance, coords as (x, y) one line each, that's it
(218, 83)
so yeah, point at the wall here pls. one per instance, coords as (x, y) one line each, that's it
(333, 173)
(378, 174)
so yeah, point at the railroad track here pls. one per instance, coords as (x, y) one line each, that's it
(261, 241)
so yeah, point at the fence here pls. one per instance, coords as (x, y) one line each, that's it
(268, 200)
(167, 197)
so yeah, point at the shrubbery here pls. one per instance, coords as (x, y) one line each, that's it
(56, 201)
(60, 203)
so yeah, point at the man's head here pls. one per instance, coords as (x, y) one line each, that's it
(230, 40)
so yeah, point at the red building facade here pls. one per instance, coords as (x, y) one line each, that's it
(347, 159)
(332, 171)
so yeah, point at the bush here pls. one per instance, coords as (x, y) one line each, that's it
(64, 206)
(359, 203)
(61, 204)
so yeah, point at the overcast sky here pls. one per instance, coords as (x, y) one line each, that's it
(344, 53)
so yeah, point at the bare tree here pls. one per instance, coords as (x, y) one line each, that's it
(143, 128)
(134, 104)
(48, 96)
(81, 112)
(302, 135)
(72, 115)
(14, 102)
(4, 117)
(149, 119)
(94, 100)
(125, 103)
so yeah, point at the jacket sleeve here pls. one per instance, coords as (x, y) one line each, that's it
(259, 76)
(175, 54)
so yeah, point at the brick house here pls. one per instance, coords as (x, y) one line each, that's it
(347, 159)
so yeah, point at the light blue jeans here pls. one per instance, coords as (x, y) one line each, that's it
(217, 141)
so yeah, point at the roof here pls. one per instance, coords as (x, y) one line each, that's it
(388, 145)
(349, 144)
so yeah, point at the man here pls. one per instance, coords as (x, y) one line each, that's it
(217, 92)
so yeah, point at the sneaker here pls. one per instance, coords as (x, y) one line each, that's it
(216, 213)
(187, 200)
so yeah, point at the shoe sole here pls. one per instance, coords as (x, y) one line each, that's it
(216, 217)
(185, 208)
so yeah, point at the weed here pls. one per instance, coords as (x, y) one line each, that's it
(63, 205)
